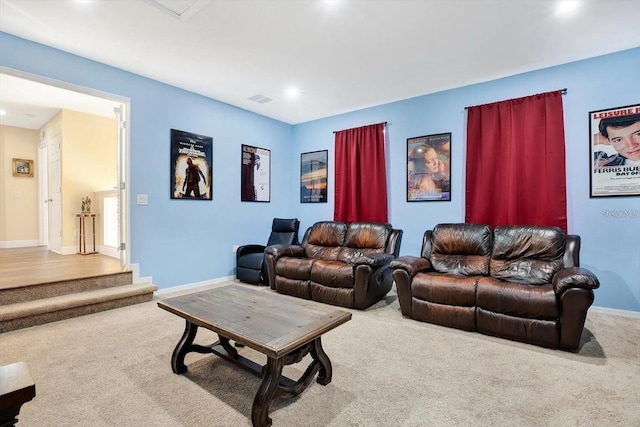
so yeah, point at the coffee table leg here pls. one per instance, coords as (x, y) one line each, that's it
(260, 409)
(183, 347)
(224, 342)
(317, 353)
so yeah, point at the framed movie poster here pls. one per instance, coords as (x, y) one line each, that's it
(255, 178)
(614, 152)
(313, 177)
(191, 160)
(429, 168)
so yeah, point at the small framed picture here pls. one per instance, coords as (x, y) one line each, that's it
(23, 167)
(429, 168)
(614, 154)
(313, 177)
(255, 175)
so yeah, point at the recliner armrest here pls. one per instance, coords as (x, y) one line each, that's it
(574, 277)
(374, 260)
(411, 264)
(249, 249)
(278, 251)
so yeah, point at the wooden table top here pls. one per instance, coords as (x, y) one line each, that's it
(270, 323)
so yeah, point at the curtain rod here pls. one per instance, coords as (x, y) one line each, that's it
(383, 123)
(564, 92)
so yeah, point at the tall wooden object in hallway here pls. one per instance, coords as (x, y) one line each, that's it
(82, 236)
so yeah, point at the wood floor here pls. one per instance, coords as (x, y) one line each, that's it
(27, 266)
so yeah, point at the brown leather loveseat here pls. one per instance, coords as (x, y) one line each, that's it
(336, 263)
(518, 282)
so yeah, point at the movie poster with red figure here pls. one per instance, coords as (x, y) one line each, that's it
(191, 159)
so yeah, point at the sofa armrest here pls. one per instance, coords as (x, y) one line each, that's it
(374, 260)
(278, 251)
(574, 277)
(411, 264)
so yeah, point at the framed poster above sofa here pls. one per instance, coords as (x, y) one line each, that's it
(313, 177)
(429, 168)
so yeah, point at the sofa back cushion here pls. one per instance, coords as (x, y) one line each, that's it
(324, 240)
(460, 249)
(527, 254)
(364, 238)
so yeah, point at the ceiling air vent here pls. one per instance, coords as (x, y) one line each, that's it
(179, 9)
(260, 99)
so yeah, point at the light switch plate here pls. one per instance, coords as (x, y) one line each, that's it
(142, 199)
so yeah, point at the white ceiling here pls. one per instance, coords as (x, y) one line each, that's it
(31, 104)
(343, 55)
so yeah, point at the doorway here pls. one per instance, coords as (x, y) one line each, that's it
(56, 95)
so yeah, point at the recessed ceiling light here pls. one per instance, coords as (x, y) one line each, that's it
(292, 92)
(3, 113)
(567, 7)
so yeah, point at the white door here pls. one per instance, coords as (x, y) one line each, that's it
(43, 194)
(120, 113)
(55, 195)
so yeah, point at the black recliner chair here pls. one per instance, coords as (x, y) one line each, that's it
(250, 267)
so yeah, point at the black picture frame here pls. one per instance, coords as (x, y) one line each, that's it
(429, 168)
(614, 134)
(313, 176)
(191, 166)
(255, 174)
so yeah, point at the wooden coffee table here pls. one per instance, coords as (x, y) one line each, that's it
(283, 328)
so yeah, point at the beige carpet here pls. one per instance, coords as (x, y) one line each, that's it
(113, 369)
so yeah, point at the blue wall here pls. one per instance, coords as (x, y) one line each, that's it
(176, 241)
(610, 244)
(180, 242)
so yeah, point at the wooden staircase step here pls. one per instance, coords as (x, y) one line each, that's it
(32, 292)
(30, 313)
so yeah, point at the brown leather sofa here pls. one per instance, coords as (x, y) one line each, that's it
(518, 282)
(336, 263)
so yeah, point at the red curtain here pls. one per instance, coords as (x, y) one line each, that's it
(361, 178)
(516, 162)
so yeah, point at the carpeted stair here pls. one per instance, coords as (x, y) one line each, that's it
(21, 307)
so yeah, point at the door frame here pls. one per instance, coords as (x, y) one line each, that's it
(43, 191)
(123, 157)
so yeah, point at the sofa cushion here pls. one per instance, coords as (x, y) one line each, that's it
(462, 249)
(518, 300)
(367, 235)
(294, 268)
(325, 239)
(334, 274)
(445, 289)
(364, 239)
(528, 255)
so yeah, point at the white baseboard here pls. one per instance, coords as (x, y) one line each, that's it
(193, 286)
(109, 251)
(617, 312)
(7, 244)
(69, 250)
(135, 269)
